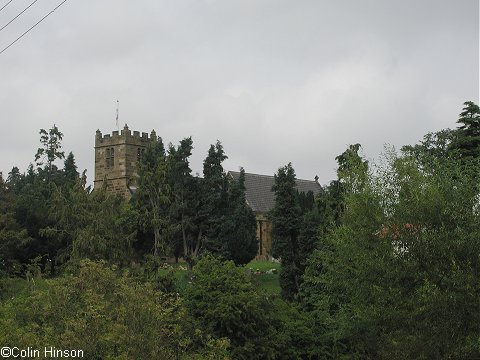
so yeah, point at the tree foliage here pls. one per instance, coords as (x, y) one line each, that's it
(396, 279)
(106, 314)
(185, 227)
(224, 302)
(238, 230)
(153, 192)
(14, 239)
(51, 148)
(466, 142)
(196, 214)
(213, 197)
(383, 264)
(285, 218)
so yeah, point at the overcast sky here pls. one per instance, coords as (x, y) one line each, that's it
(276, 81)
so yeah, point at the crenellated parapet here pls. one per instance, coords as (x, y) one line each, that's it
(124, 136)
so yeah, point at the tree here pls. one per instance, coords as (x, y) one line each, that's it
(154, 191)
(467, 137)
(70, 172)
(214, 192)
(238, 231)
(437, 145)
(14, 179)
(14, 240)
(352, 168)
(331, 204)
(106, 314)
(395, 280)
(33, 192)
(98, 225)
(308, 238)
(224, 302)
(51, 148)
(286, 220)
(184, 204)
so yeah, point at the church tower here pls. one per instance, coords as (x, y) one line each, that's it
(116, 157)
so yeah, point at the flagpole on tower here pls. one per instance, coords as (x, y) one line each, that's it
(116, 117)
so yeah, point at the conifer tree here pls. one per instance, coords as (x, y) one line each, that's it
(183, 228)
(154, 192)
(14, 179)
(286, 220)
(213, 197)
(467, 139)
(13, 239)
(102, 225)
(70, 170)
(239, 227)
(308, 237)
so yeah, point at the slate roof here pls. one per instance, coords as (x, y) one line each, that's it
(259, 194)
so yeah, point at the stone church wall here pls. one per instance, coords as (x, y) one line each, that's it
(116, 156)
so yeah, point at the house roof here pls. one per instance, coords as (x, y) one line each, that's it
(259, 194)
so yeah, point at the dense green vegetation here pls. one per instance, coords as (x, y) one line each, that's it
(382, 264)
(106, 313)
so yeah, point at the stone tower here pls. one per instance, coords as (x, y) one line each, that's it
(116, 158)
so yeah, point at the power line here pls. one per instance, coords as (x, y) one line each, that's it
(26, 32)
(4, 6)
(28, 7)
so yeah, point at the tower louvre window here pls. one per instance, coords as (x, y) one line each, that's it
(110, 157)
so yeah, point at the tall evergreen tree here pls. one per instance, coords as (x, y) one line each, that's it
(238, 231)
(308, 237)
(213, 197)
(286, 221)
(154, 192)
(184, 229)
(467, 137)
(330, 203)
(14, 179)
(14, 240)
(103, 226)
(33, 195)
(70, 172)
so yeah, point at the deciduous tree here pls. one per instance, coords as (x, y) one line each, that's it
(395, 280)
(51, 149)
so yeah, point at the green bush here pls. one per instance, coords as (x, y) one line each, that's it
(224, 302)
(107, 315)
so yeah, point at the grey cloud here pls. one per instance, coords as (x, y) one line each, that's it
(276, 81)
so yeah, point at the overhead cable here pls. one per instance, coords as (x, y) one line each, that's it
(26, 32)
(15, 18)
(4, 6)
